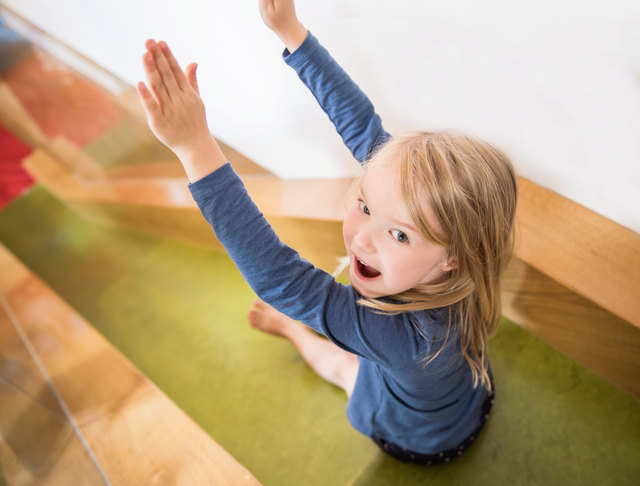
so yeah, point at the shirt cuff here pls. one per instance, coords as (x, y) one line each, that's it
(302, 54)
(203, 187)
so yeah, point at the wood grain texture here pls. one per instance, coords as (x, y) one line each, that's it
(138, 435)
(18, 370)
(584, 251)
(584, 331)
(51, 454)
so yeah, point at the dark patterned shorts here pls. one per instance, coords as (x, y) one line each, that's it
(443, 457)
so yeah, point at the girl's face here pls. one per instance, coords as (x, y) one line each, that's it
(388, 255)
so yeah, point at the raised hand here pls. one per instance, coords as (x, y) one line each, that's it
(280, 16)
(176, 113)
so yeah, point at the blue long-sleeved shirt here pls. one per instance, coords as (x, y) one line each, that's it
(396, 398)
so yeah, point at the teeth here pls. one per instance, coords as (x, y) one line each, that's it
(362, 262)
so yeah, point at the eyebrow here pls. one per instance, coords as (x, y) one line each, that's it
(396, 222)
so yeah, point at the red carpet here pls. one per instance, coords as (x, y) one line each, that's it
(14, 180)
(60, 101)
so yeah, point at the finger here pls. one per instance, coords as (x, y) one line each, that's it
(168, 79)
(149, 104)
(266, 7)
(173, 64)
(154, 80)
(190, 74)
(264, 4)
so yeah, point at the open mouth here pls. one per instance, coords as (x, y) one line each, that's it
(365, 270)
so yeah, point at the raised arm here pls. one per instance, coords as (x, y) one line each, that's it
(280, 16)
(276, 272)
(351, 112)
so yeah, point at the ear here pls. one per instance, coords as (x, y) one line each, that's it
(450, 263)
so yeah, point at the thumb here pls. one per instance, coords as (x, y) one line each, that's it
(190, 73)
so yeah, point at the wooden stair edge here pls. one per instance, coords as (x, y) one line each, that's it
(577, 327)
(579, 248)
(139, 433)
(296, 199)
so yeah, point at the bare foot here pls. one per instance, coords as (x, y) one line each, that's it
(265, 318)
(332, 363)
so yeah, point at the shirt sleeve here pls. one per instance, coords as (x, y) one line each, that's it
(351, 112)
(284, 280)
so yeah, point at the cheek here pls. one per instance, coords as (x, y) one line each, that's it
(348, 227)
(405, 269)
(398, 267)
(346, 234)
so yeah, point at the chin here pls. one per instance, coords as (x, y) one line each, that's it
(364, 292)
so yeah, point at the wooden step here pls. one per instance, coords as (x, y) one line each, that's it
(584, 251)
(137, 434)
(574, 325)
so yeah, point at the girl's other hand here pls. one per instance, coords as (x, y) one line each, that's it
(280, 16)
(174, 109)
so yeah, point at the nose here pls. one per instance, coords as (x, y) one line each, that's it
(364, 242)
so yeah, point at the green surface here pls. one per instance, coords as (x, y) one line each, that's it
(178, 312)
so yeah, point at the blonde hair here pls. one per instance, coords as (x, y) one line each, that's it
(471, 187)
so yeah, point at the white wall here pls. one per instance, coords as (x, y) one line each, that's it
(556, 83)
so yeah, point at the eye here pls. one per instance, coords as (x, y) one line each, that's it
(400, 236)
(364, 208)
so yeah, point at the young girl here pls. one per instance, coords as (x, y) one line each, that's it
(428, 236)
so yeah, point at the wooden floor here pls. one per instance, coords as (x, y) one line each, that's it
(135, 434)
